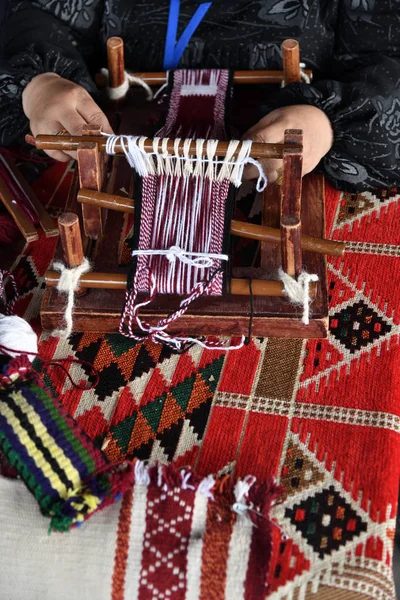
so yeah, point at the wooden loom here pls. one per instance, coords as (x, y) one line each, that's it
(291, 234)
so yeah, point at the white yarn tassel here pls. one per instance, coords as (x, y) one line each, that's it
(121, 91)
(68, 283)
(18, 335)
(142, 476)
(206, 486)
(185, 481)
(298, 291)
(241, 490)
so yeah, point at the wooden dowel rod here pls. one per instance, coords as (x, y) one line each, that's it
(239, 77)
(103, 200)
(291, 61)
(116, 281)
(239, 228)
(270, 234)
(25, 226)
(71, 241)
(292, 262)
(115, 60)
(72, 143)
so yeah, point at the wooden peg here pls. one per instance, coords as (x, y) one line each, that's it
(71, 242)
(292, 262)
(91, 176)
(116, 64)
(291, 61)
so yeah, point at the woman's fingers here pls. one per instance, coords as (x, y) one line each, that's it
(265, 131)
(50, 128)
(90, 111)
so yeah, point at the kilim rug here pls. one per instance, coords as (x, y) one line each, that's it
(322, 417)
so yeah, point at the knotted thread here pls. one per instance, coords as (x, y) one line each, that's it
(68, 284)
(199, 260)
(241, 490)
(121, 91)
(209, 166)
(298, 291)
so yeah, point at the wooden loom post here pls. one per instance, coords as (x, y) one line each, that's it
(292, 262)
(116, 63)
(91, 175)
(270, 211)
(71, 242)
(291, 61)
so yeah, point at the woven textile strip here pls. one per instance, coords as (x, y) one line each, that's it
(200, 207)
(62, 468)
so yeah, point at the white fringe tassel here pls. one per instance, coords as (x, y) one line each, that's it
(121, 91)
(298, 291)
(212, 167)
(241, 490)
(68, 283)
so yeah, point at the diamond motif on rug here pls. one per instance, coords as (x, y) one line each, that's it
(326, 521)
(353, 205)
(357, 325)
(117, 359)
(298, 471)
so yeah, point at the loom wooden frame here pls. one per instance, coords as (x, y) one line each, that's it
(98, 309)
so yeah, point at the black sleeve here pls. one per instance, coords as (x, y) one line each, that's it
(36, 41)
(361, 97)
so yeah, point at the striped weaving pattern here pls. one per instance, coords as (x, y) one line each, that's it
(69, 477)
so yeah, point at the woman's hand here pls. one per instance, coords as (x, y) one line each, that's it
(317, 136)
(52, 104)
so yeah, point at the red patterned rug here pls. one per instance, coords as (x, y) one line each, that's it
(322, 417)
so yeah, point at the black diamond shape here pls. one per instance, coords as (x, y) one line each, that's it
(25, 276)
(326, 521)
(169, 438)
(199, 416)
(357, 326)
(110, 379)
(144, 361)
(144, 451)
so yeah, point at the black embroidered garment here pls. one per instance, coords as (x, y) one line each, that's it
(353, 46)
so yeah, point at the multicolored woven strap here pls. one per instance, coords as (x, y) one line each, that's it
(69, 477)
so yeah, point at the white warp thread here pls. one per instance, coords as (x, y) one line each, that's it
(121, 91)
(210, 166)
(68, 283)
(298, 291)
